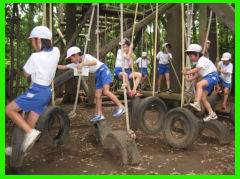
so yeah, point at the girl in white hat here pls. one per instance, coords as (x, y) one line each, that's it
(225, 68)
(103, 79)
(41, 67)
(207, 70)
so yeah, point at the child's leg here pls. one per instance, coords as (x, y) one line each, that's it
(225, 99)
(12, 111)
(124, 75)
(32, 119)
(98, 96)
(167, 76)
(206, 103)
(199, 88)
(108, 93)
(138, 77)
(159, 81)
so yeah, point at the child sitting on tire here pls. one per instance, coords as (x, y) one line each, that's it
(207, 70)
(41, 67)
(103, 79)
(225, 68)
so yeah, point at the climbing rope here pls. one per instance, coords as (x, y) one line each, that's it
(155, 51)
(129, 131)
(72, 114)
(183, 54)
(133, 31)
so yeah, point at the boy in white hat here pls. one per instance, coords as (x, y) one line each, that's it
(163, 58)
(207, 70)
(41, 67)
(225, 68)
(103, 79)
(142, 65)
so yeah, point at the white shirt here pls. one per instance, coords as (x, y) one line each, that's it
(207, 66)
(164, 57)
(142, 62)
(229, 69)
(119, 60)
(87, 58)
(42, 66)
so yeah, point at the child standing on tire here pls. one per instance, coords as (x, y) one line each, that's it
(163, 58)
(41, 67)
(142, 65)
(207, 70)
(225, 68)
(103, 79)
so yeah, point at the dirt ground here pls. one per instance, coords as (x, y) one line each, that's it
(81, 154)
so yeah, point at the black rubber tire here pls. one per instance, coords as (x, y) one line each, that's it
(219, 129)
(190, 125)
(152, 103)
(213, 99)
(133, 120)
(46, 121)
(16, 159)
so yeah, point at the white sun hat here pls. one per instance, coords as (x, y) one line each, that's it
(194, 48)
(72, 50)
(226, 56)
(144, 54)
(41, 32)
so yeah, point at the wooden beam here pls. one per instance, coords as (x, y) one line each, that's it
(225, 13)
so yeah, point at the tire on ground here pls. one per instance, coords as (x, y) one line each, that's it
(155, 104)
(16, 159)
(219, 129)
(54, 125)
(190, 127)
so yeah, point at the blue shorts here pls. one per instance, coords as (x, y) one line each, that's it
(163, 68)
(35, 99)
(118, 70)
(143, 71)
(103, 76)
(224, 84)
(212, 79)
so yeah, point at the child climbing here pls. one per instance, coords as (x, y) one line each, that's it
(41, 67)
(125, 62)
(207, 70)
(103, 79)
(225, 68)
(142, 65)
(163, 58)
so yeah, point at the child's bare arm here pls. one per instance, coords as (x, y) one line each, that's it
(192, 71)
(62, 67)
(192, 77)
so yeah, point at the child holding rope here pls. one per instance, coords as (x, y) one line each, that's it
(125, 62)
(103, 79)
(163, 67)
(41, 67)
(142, 65)
(225, 68)
(207, 70)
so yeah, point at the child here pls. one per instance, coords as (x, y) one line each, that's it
(143, 64)
(225, 69)
(103, 79)
(41, 66)
(163, 67)
(207, 70)
(126, 62)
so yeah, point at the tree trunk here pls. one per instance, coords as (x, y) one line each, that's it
(71, 85)
(18, 50)
(202, 23)
(213, 39)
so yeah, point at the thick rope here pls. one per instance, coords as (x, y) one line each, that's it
(183, 54)
(129, 131)
(133, 31)
(155, 51)
(72, 114)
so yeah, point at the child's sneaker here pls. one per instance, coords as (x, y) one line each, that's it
(139, 94)
(8, 151)
(196, 105)
(30, 139)
(120, 111)
(97, 118)
(131, 93)
(169, 91)
(210, 117)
